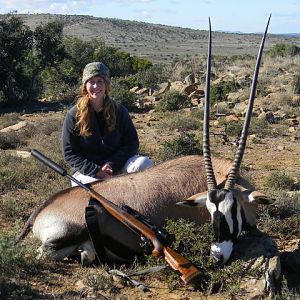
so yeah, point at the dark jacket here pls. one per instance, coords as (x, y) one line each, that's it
(86, 155)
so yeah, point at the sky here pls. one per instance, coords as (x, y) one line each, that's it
(226, 15)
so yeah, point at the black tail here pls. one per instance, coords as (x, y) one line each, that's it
(26, 227)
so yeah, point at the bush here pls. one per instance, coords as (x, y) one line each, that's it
(296, 84)
(234, 128)
(185, 144)
(149, 77)
(181, 122)
(219, 91)
(172, 101)
(278, 180)
(282, 219)
(283, 50)
(123, 96)
(16, 266)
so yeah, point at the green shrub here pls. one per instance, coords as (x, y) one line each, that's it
(16, 265)
(181, 122)
(172, 101)
(185, 144)
(296, 84)
(219, 91)
(122, 95)
(139, 63)
(234, 128)
(99, 280)
(283, 50)
(279, 180)
(149, 77)
(11, 140)
(282, 219)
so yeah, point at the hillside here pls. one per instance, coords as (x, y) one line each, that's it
(159, 43)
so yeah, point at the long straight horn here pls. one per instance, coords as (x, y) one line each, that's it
(211, 180)
(242, 142)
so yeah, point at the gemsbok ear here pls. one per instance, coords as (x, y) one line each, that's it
(260, 198)
(197, 200)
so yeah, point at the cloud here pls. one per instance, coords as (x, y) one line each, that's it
(45, 6)
(60, 6)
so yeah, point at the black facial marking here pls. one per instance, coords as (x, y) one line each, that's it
(220, 228)
(217, 196)
(234, 220)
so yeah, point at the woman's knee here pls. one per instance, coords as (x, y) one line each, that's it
(137, 163)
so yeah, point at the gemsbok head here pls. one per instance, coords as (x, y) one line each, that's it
(232, 208)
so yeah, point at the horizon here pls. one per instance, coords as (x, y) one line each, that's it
(233, 16)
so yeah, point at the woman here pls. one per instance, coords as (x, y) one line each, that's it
(98, 136)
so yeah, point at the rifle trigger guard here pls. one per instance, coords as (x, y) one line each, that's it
(146, 245)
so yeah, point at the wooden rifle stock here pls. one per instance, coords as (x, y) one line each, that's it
(177, 262)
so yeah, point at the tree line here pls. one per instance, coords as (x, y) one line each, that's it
(43, 62)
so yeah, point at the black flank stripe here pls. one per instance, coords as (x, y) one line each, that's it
(234, 219)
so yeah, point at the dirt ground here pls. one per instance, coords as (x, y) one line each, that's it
(64, 281)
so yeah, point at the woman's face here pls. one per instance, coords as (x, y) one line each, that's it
(96, 88)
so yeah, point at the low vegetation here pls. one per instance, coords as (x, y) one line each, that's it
(169, 126)
(172, 101)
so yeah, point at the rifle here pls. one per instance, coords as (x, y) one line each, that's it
(136, 222)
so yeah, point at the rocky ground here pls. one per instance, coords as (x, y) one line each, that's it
(278, 150)
(271, 154)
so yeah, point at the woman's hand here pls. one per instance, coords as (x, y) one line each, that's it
(105, 172)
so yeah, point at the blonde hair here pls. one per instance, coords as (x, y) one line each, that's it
(84, 108)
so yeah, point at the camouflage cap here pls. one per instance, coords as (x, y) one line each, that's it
(93, 69)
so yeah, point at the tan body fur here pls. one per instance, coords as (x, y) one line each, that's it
(59, 223)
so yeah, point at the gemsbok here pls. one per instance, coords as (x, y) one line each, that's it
(232, 210)
(59, 223)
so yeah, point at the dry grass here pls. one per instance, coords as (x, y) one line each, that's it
(26, 183)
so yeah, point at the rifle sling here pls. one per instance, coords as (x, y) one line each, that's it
(101, 241)
(91, 219)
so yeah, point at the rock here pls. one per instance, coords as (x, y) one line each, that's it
(259, 253)
(267, 116)
(18, 153)
(14, 127)
(197, 94)
(80, 285)
(177, 86)
(162, 88)
(189, 89)
(134, 89)
(190, 79)
(231, 118)
(140, 103)
(240, 108)
(142, 91)
(296, 101)
(293, 122)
